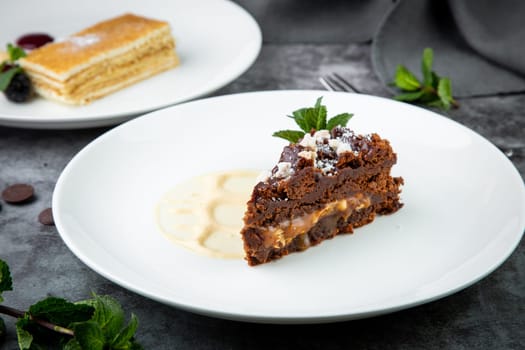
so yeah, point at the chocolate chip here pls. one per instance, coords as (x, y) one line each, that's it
(18, 193)
(46, 217)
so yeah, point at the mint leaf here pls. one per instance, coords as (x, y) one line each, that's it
(25, 339)
(6, 283)
(340, 119)
(405, 80)
(444, 92)
(136, 346)
(60, 311)
(108, 315)
(125, 338)
(96, 323)
(72, 344)
(435, 103)
(299, 117)
(426, 66)
(15, 52)
(435, 80)
(310, 115)
(410, 96)
(312, 118)
(434, 91)
(105, 329)
(291, 135)
(320, 114)
(5, 77)
(89, 335)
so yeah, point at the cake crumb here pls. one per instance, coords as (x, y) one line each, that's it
(307, 154)
(284, 170)
(309, 142)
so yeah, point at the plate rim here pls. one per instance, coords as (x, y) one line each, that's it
(238, 316)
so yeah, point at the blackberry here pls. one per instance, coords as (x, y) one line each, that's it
(19, 89)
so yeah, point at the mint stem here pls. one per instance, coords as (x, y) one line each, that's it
(18, 314)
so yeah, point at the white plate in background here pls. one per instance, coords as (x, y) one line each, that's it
(216, 41)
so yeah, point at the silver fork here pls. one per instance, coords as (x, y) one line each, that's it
(335, 82)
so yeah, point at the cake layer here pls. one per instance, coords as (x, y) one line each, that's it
(285, 231)
(163, 47)
(326, 228)
(266, 238)
(104, 79)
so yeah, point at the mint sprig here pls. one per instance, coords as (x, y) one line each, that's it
(433, 90)
(6, 75)
(6, 283)
(95, 323)
(312, 118)
(15, 52)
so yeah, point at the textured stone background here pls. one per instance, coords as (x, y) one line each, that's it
(487, 315)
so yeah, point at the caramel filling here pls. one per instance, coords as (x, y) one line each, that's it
(280, 236)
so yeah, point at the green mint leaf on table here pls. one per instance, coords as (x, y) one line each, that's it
(96, 323)
(108, 314)
(109, 317)
(25, 339)
(445, 92)
(89, 335)
(410, 96)
(125, 338)
(6, 283)
(406, 80)
(426, 67)
(310, 119)
(72, 344)
(60, 311)
(433, 91)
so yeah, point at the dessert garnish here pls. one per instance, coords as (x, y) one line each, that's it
(433, 91)
(14, 82)
(18, 193)
(312, 118)
(33, 41)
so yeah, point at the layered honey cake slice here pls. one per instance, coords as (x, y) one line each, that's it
(327, 182)
(101, 59)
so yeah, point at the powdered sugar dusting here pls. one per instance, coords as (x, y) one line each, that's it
(324, 148)
(79, 42)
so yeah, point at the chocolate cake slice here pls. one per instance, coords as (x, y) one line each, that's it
(327, 183)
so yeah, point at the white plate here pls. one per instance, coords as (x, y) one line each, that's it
(216, 41)
(464, 211)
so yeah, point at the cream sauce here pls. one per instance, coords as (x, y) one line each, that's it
(205, 213)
